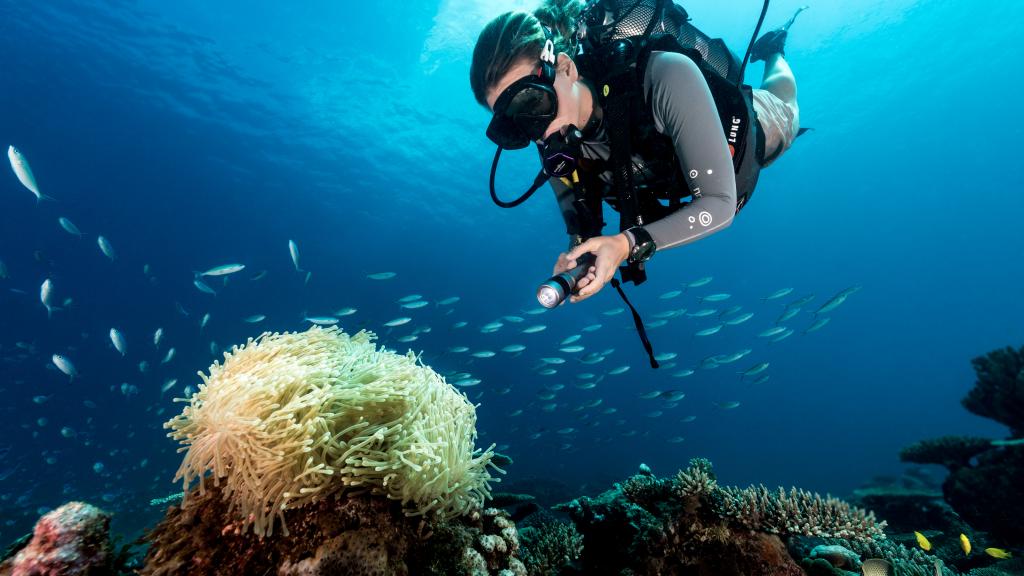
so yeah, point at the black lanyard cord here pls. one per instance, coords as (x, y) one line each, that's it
(638, 322)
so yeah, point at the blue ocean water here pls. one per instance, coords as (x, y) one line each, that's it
(193, 134)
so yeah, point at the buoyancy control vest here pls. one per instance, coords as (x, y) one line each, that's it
(617, 38)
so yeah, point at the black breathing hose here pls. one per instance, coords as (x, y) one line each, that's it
(757, 30)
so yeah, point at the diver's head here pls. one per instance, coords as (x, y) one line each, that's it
(522, 71)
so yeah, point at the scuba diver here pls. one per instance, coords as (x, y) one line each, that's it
(631, 105)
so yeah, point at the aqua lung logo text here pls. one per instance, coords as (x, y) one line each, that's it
(734, 134)
(734, 130)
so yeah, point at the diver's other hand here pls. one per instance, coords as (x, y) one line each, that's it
(609, 252)
(561, 265)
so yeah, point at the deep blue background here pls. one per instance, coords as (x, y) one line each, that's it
(192, 134)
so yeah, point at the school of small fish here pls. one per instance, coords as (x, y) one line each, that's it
(560, 370)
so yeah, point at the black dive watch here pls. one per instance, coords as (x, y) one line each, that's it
(643, 245)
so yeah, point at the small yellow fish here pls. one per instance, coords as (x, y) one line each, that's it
(965, 544)
(922, 541)
(998, 553)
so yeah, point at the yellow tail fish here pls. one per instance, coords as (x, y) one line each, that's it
(965, 544)
(922, 541)
(998, 553)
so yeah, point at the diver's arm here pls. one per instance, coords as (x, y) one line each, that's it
(565, 197)
(685, 111)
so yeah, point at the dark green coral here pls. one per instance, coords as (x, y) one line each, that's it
(998, 393)
(953, 452)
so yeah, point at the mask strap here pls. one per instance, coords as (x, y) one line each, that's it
(548, 53)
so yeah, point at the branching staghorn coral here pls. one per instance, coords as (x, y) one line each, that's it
(289, 419)
(797, 512)
(698, 479)
(549, 546)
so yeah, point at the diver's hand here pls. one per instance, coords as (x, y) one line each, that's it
(561, 265)
(609, 252)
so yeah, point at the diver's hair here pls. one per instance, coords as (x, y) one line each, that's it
(518, 36)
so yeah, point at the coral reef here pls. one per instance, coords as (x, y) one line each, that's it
(953, 452)
(345, 535)
(998, 393)
(984, 479)
(798, 512)
(548, 547)
(794, 513)
(691, 525)
(73, 540)
(291, 419)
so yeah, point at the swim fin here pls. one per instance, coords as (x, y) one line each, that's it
(773, 42)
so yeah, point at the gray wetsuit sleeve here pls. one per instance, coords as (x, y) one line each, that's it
(685, 111)
(565, 197)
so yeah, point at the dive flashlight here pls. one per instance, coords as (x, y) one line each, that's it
(557, 288)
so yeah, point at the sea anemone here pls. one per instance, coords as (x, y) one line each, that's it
(289, 419)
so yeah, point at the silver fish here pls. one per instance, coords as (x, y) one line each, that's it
(715, 297)
(788, 314)
(255, 318)
(169, 356)
(754, 370)
(448, 301)
(158, 336)
(772, 331)
(205, 320)
(65, 366)
(786, 334)
(709, 331)
(69, 226)
(223, 270)
(699, 282)
(740, 319)
(800, 301)
(818, 324)
(397, 322)
(293, 250)
(778, 294)
(46, 295)
(24, 173)
(203, 287)
(491, 327)
(345, 312)
(836, 300)
(106, 248)
(117, 339)
(382, 275)
(322, 320)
